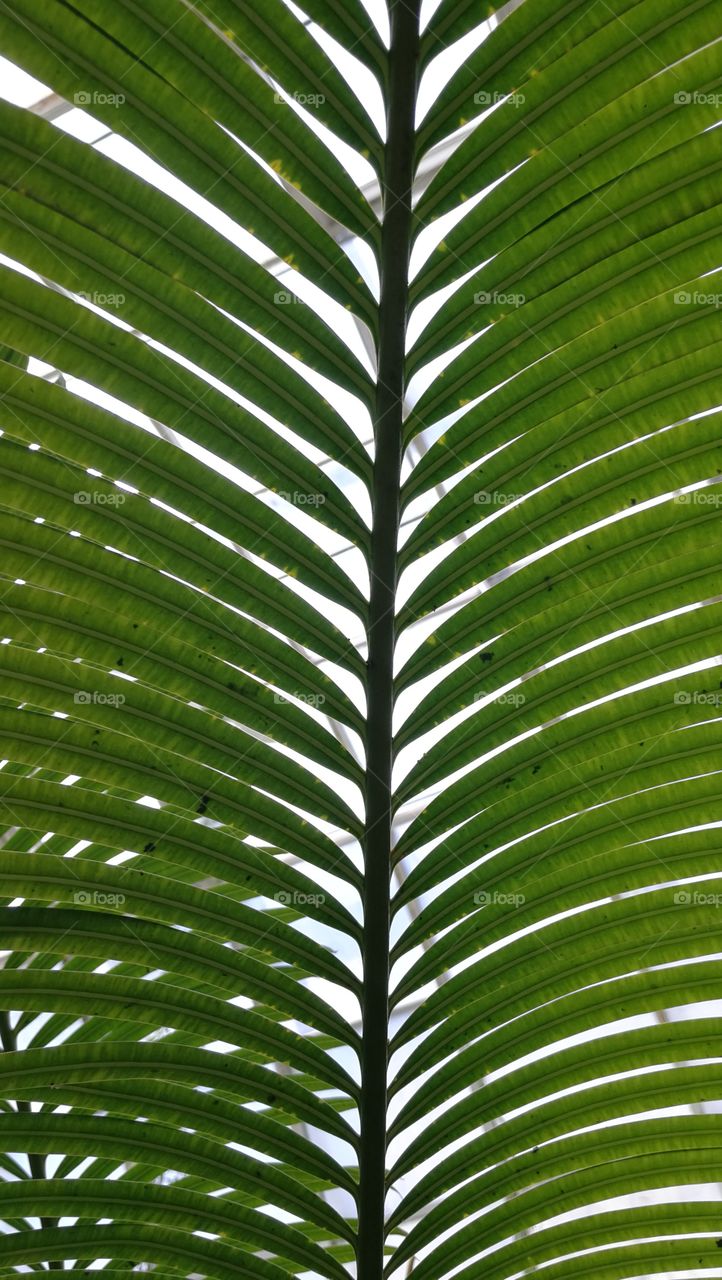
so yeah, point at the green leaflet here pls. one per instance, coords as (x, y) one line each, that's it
(245, 1226)
(159, 1065)
(618, 53)
(55, 326)
(125, 1241)
(351, 26)
(601, 229)
(162, 476)
(360, 734)
(41, 873)
(626, 1143)
(65, 50)
(212, 77)
(160, 236)
(152, 1003)
(623, 133)
(276, 41)
(503, 58)
(602, 1091)
(194, 958)
(78, 1134)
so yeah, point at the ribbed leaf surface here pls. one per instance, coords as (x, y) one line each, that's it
(360, 619)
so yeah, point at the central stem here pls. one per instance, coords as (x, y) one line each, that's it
(386, 504)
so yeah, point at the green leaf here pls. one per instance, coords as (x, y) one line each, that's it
(360, 633)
